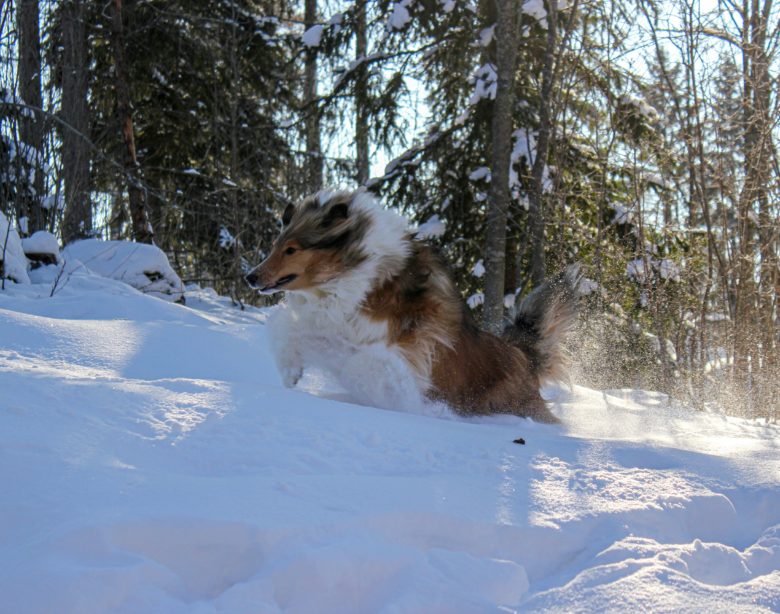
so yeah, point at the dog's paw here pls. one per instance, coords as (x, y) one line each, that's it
(290, 375)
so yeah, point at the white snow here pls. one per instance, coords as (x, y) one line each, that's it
(312, 36)
(479, 269)
(335, 22)
(622, 215)
(642, 107)
(535, 9)
(523, 146)
(399, 17)
(12, 258)
(475, 300)
(434, 226)
(485, 80)
(480, 174)
(486, 35)
(447, 5)
(144, 267)
(53, 201)
(226, 240)
(637, 269)
(668, 269)
(153, 462)
(41, 242)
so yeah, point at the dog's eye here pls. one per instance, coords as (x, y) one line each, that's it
(290, 250)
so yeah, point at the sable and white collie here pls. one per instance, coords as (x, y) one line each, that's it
(378, 308)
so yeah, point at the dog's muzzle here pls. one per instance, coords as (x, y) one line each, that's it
(253, 280)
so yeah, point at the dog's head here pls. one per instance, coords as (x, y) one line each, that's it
(320, 241)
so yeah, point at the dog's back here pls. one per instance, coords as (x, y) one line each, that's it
(471, 370)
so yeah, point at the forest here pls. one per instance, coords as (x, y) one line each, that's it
(634, 137)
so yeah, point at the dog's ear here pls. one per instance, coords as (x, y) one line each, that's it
(287, 215)
(338, 211)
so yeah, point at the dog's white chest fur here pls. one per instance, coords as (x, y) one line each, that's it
(320, 332)
(327, 318)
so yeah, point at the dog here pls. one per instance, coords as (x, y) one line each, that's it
(378, 308)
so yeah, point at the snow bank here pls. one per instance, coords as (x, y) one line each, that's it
(144, 267)
(153, 462)
(41, 242)
(12, 258)
(41, 248)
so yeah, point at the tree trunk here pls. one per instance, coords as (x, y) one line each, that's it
(501, 135)
(361, 96)
(31, 128)
(237, 273)
(77, 221)
(754, 334)
(313, 145)
(536, 206)
(142, 228)
(118, 217)
(758, 141)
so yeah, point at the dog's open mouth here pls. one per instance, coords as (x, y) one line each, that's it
(277, 285)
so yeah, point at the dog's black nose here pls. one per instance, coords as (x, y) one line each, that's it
(251, 279)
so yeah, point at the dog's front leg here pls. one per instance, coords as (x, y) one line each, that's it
(286, 346)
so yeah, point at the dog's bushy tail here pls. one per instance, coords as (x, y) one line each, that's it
(543, 319)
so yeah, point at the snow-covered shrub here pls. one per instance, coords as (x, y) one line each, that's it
(41, 248)
(13, 264)
(144, 267)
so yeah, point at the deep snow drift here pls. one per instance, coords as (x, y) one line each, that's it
(152, 462)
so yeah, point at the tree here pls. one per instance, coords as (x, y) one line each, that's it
(314, 159)
(506, 20)
(75, 126)
(31, 125)
(361, 94)
(142, 228)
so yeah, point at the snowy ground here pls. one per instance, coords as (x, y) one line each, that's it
(152, 462)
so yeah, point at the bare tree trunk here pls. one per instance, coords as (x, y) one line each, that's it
(31, 128)
(313, 144)
(501, 135)
(77, 221)
(238, 277)
(755, 327)
(142, 228)
(756, 332)
(361, 96)
(118, 217)
(536, 214)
